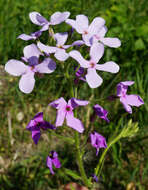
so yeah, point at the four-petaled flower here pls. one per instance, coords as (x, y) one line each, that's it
(128, 100)
(65, 110)
(56, 18)
(101, 112)
(27, 72)
(81, 25)
(96, 52)
(98, 141)
(60, 49)
(52, 159)
(36, 124)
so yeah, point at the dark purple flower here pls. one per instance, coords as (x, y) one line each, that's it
(97, 141)
(101, 112)
(128, 100)
(36, 124)
(32, 36)
(95, 178)
(65, 110)
(52, 159)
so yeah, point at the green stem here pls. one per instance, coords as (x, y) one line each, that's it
(102, 158)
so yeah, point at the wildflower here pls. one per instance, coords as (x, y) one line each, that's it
(81, 25)
(60, 49)
(96, 52)
(36, 124)
(97, 141)
(101, 112)
(27, 72)
(32, 36)
(56, 18)
(80, 75)
(65, 110)
(95, 178)
(128, 100)
(52, 159)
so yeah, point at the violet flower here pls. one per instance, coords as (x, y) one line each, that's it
(97, 141)
(52, 159)
(36, 124)
(65, 110)
(60, 49)
(56, 18)
(27, 72)
(96, 52)
(101, 112)
(128, 100)
(81, 25)
(32, 36)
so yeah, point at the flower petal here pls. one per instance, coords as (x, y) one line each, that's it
(125, 104)
(26, 83)
(109, 66)
(73, 102)
(78, 57)
(47, 66)
(31, 50)
(15, 67)
(45, 27)
(25, 37)
(39, 117)
(49, 164)
(56, 162)
(102, 32)
(61, 54)
(71, 22)
(36, 135)
(46, 49)
(96, 52)
(59, 17)
(37, 18)
(61, 113)
(134, 100)
(78, 43)
(61, 38)
(111, 42)
(95, 26)
(93, 79)
(59, 103)
(74, 122)
(81, 23)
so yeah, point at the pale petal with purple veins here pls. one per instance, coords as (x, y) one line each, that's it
(59, 103)
(61, 113)
(93, 79)
(78, 57)
(111, 42)
(35, 17)
(81, 23)
(78, 43)
(102, 32)
(25, 37)
(15, 67)
(27, 82)
(127, 83)
(125, 104)
(76, 102)
(96, 24)
(61, 54)
(31, 50)
(71, 22)
(74, 123)
(59, 17)
(134, 100)
(47, 66)
(46, 49)
(45, 27)
(96, 52)
(109, 66)
(61, 38)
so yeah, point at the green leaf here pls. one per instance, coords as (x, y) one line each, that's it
(139, 44)
(72, 174)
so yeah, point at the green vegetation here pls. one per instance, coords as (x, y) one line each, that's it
(22, 164)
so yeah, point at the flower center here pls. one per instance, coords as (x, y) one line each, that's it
(85, 32)
(92, 65)
(60, 46)
(68, 108)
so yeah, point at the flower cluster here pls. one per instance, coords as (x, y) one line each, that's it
(93, 36)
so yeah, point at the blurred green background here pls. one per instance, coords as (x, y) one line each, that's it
(22, 164)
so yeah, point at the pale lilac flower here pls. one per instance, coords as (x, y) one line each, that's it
(65, 110)
(98, 141)
(56, 18)
(111, 42)
(52, 159)
(32, 36)
(128, 100)
(60, 49)
(36, 124)
(81, 25)
(101, 112)
(27, 72)
(96, 52)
